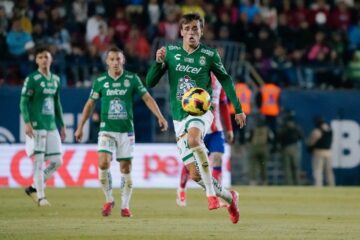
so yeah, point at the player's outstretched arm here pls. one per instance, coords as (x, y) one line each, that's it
(152, 105)
(88, 109)
(157, 69)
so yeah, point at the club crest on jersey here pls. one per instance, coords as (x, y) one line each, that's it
(117, 109)
(127, 83)
(202, 61)
(184, 85)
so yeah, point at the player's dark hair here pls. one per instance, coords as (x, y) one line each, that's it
(187, 18)
(114, 49)
(41, 49)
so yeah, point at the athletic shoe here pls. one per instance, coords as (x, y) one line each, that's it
(233, 209)
(43, 202)
(106, 210)
(125, 212)
(31, 192)
(213, 202)
(181, 198)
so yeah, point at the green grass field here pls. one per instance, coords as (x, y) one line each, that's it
(266, 213)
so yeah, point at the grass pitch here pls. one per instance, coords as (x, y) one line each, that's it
(266, 213)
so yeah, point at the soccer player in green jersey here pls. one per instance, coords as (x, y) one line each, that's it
(41, 108)
(116, 89)
(189, 65)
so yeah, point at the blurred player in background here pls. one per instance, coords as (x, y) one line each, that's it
(214, 139)
(194, 61)
(116, 89)
(41, 108)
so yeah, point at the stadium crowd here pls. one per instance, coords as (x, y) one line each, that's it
(298, 44)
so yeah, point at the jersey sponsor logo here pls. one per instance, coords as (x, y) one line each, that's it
(207, 52)
(42, 84)
(189, 60)
(202, 61)
(116, 92)
(172, 47)
(117, 109)
(187, 69)
(49, 91)
(177, 56)
(102, 124)
(126, 83)
(116, 85)
(184, 85)
(106, 85)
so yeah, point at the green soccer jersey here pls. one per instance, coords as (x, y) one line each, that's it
(40, 101)
(117, 100)
(191, 70)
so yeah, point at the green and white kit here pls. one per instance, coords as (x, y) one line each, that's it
(40, 105)
(117, 128)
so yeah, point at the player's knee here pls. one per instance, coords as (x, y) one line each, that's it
(55, 160)
(103, 165)
(193, 141)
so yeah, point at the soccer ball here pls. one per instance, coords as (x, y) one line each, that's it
(196, 101)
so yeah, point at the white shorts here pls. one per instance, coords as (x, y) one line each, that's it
(201, 122)
(120, 144)
(44, 141)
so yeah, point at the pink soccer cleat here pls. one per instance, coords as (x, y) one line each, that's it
(125, 212)
(106, 210)
(213, 202)
(233, 209)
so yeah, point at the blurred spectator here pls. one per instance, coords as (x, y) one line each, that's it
(92, 26)
(137, 50)
(80, 11)
(268, 102)
(103, 40)
(289, 138)
(353, 69)
(211, 16)
(228, 7)
(192, 6)
(299, 14)
(249, 8)
(303, 36)
(261, 63)
(19, 43)
(282, 71)
(121, 27)
(320, 12)
(269, 14)
(20, 14)
(244, 93)
(170, 7)
(285, 33)
(259, 138)
(354, 36)
(169, 28)
(319, 144)
(154, 13)
(304, 75)
(340, 17)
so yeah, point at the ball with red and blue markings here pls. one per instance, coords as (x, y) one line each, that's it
(196, 101)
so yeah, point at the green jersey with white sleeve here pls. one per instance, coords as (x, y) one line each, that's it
(40, 101)
(117, 100)
(187, 70)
